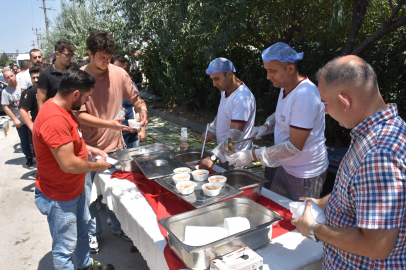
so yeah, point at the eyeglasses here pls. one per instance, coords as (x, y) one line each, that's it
(69, 55)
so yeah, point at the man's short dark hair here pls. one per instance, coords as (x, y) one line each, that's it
(118, 57)
(78, 64)
(100, 41)
(25, 64)
(75, 79)
(34, 50)
(34, 69)
(63, 44)
(44, 66)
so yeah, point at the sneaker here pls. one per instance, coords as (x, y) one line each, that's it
(121, 234)
(94, 244)
(108, 221)
(29, 162)
(98, 266)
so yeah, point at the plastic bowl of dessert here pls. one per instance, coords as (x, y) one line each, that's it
(180, 177)
(186, 187)
(200, 175)
(219, 179)
(211, 189)
(182, 170)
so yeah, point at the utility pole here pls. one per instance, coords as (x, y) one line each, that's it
(46, 17)
(74, 4)
(38, 35)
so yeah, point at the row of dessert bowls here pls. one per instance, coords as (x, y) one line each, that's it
(185, 186)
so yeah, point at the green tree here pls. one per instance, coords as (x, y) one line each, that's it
(3, 59)
(76, 24)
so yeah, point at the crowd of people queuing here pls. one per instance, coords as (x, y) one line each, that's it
(69, 113)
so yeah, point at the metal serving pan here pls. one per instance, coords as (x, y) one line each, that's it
(197, 198)
(157, 164)
(250, 183)
(198, 257)
(127, 163)
(191, 156)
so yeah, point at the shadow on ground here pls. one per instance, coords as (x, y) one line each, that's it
(29, 175)
(29, 188)
(46, 263)
(17, 148)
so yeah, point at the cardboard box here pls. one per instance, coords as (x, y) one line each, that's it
(242, 259)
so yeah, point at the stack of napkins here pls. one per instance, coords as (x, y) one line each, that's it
(203, 235)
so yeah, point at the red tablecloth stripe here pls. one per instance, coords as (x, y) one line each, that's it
(166, 204)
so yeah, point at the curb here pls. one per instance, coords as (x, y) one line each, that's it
(199, 128)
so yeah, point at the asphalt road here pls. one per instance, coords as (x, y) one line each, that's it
(25, 241)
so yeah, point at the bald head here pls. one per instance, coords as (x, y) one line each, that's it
(350, 72)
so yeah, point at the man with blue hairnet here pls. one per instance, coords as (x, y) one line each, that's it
(298, 127)
(236, 112)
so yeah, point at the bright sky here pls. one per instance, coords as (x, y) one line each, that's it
(18, 19)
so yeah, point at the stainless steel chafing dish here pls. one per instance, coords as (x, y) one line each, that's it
(191, 156)
(198, 257)
(127, 163)
(248, 182)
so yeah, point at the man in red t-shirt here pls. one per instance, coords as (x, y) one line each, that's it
(62, 165)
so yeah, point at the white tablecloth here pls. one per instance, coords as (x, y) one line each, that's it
(138, 220)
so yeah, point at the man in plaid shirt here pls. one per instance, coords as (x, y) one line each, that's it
(365, 212)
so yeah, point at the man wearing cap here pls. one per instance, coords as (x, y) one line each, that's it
(236, 112)
(298, 127)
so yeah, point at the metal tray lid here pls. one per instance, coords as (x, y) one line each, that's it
(157, 164)
(197, 198)
(127, 154)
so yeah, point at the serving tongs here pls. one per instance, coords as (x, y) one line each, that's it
(229, 144)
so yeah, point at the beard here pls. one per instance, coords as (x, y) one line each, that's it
(76, 106)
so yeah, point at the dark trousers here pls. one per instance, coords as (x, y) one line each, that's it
(26, 140)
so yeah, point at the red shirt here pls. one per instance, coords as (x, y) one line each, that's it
(53, 127)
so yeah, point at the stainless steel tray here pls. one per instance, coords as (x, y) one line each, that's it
(198, 257)
(197, 198)
(157, 164)
(127, 163)
(191, 156)
(250, 183)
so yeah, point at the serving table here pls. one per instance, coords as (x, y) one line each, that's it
(138, 220)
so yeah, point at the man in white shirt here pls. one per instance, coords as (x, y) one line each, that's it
(24, 78)
(298, 125)
(236, 113)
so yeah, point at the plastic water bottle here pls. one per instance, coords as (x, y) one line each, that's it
(184, 144)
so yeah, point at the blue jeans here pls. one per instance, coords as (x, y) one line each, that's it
(133, 144)
(95, 228)
(68, 223)
(25, 137)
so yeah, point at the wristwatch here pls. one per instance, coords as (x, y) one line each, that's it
(311, 234)
(213, 158)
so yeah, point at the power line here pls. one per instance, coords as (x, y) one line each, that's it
(38, 35)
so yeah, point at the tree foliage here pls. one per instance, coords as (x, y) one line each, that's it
(76, 24)
(3, 59)
(177, 39)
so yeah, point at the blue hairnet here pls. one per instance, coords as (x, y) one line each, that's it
(220, 65)
(281, 52)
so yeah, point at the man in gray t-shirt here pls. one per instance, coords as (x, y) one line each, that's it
(10, 99)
